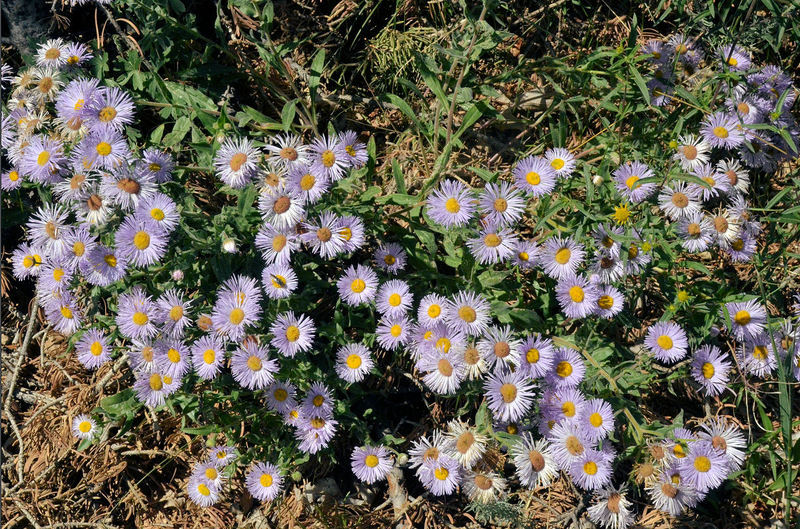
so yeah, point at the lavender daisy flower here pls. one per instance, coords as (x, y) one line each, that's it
(510, 395)
(525, 254)
(222, 456)
(591, 471)
(351, 230)
(696, 232)
(468, 313)
(103, 149)
(318, 401)
(305, 184)
(236, 162)
(611, 509)
(671, 492)
(51, 54)
(103, 266)
(561, 257)
(371, 464)
(742, 249)
(355, 152)
(141, 242)
(440, 476)
(93, 349)
(172, 358)
(208, 470)
(159, 209)
(756, 356)
(110, 108)
(358, 285)
(705, 468)
(171, 313)
(83, 427)
(536, 175)
(597, 419)
(394, 298)
(746, 319)
(237, 307)
(292, 334)
(493, 244)
(393, 332)
(314, 433)
(735, 58)
(627, 178)
(679, 200)
(563, 405)
(281, 207)
(666, 341)
(444, 371)
(27, 261)
(251, 366)
(577, 296)
(126, 188)
(431, 309)
(502, 204)
(353, 362)
(606, 238)
(73, 98)
(390, 257)
(721, 129)
(279, 281)
(482, 486)
(725, 438)
(153, 388)
(158, 163)
(655, 50)
(202, 492)
(498, 347)
(276, 245)
(464, 443)
(451, 205)
(79, 241)
(47, 228)
(561, 160)
(535, 466)
(136, 315)
(536, 356)
(287, 150)
(43, 159)
(208, 355)
(264, 481)
(692, 151)
(11, 179)
(322, 237)
(281, 397)
(718, 184)
(329, 158)
(746, 108)
(141, 356)
(610, 302)
(567, 444)
(568, 369)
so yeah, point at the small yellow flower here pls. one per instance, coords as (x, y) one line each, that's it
(671, 307)
(621, 214)
(647, 247)
(683, 296)
(673, 144)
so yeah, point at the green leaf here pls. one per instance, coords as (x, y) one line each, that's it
(317, 66)
(288, 113)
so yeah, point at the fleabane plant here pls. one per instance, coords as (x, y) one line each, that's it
(297, 299)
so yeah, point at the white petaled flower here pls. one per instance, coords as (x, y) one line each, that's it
(535, 465)
(84, 427)
(464, 443)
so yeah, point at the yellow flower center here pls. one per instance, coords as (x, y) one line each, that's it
(492, 240)
(434, 310)
(371, 461)
(265, 480)
(358, 286)
(467, 314)
(58, 273)
(590, 467)
(203, 489)
(281, 394)
(278, 281)
(209, 356)
(389, 260)
(346, 233)
(508, 392)
(523, 256)
(732, 61)
(557, 164)
(631, 181)
(211, 473)
(395, 330)
(307, 181)
(96, 349)
(141, 240)
(13, 176)
(533, 178)
(103, 148)
(107, 114)
(564, 369)
(157, 214)
(441, 473)
(605, 302)
(742, 317)
(683, 296)
(237, 161)
(254, 363)
(664, 342)
(353, 361)
(532, 356)
(452, 205)
(702, 464)
(43, 158)
(443, 344)
(568, 409)
(236, 316)
(563, 255)
(52, 53)
(27, 261)
(738, 244)
(500, 205)
(760, 352)
(328, 159)
(155, 382)
(111, 260)
(596, 419)
(140, 318)
(85, 426)
(350, 150)
(721, 132)
(395, 300)
(173, 355)
(708, 370)
(278, 242)
(576, 294)
(292, 333)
